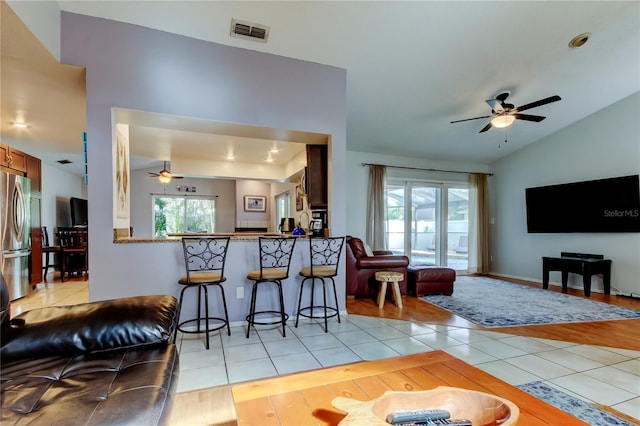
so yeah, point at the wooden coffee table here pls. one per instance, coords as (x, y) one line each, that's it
(305, 398)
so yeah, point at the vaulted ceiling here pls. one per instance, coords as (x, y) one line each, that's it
(412, 67)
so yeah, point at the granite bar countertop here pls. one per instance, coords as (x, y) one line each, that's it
(172, 238)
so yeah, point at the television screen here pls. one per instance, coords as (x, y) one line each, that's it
(604, 205)
(79, 214)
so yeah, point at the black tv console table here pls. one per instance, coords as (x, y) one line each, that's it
(578, 263)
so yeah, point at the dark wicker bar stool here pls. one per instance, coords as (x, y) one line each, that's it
(324, 255)
(204, 259)
(275, 259)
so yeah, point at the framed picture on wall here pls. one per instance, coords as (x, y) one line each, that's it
(299, 198)
(255, 203)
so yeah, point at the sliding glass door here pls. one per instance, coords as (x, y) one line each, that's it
(428, 222)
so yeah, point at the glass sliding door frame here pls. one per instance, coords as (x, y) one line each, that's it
(423, 235)
(283, 207)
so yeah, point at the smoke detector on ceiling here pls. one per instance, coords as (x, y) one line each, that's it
(249, 30)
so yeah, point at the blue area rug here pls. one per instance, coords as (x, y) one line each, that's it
(574, 406)
(495, 303)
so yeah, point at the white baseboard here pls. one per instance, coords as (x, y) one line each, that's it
(539, 281)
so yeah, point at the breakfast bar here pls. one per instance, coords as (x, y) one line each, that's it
(242, 257)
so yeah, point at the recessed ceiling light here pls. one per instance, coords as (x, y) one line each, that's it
(20, 125)
(579, 40)
(269, 160)
(230, 157)
(274, 150)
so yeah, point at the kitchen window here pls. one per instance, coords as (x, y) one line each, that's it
(180, 214)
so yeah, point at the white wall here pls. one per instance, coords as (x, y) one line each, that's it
(358, 180)
(603, 145)
(57, 187)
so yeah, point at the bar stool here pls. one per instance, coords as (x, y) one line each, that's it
(275, 258)
(204, 259)
(324, 255)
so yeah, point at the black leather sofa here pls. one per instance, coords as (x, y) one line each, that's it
(100, 363)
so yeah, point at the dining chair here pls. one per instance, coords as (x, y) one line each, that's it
(74, 251)
(49, 250)
(204, 259)
(275, 260)
(324, 257)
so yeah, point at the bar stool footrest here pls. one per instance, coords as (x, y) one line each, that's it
(331, 311)
(217, 325)
(251, 318)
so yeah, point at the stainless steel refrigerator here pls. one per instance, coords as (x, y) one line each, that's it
(15, 227)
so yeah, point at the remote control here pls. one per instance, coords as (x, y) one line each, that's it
(417, 416)
(447, 422)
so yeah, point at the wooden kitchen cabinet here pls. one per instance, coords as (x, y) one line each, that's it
(13, 158)
(34, 172)
(317, 191)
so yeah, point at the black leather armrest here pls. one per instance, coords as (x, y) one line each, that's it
(90, 327)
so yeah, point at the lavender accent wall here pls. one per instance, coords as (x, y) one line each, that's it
(134, 67)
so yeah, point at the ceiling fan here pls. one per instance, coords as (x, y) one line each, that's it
(164, 175)
(504, 114)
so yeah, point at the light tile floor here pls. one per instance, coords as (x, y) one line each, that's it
(602, 375)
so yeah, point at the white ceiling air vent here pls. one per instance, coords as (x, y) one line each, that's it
(249, 30)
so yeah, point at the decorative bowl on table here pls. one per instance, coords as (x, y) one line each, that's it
(481, 409)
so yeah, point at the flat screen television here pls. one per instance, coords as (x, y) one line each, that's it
(79, 214)
(604, 205)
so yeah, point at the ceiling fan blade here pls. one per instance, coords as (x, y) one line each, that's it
(502, 96)
(538, 103)
(495, 105)
(176, 177)
(469, 119)
(527, 117)
(153, 174)
(485, 128)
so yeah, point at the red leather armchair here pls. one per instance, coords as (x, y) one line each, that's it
(361, 269)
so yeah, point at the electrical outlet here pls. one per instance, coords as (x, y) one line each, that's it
(240, 293)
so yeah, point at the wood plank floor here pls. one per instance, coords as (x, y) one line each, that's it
(619, 334)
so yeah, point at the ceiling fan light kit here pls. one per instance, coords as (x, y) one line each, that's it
(503, 121)
(503, 114)
(164, 175)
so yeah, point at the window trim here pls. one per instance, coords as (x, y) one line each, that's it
(185, 197)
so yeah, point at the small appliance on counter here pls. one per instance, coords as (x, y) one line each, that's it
(299, 232)
(316, 228)
(287, 224)
(319, 223)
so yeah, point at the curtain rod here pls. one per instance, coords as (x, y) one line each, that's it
(185, 195)
(425, 170)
